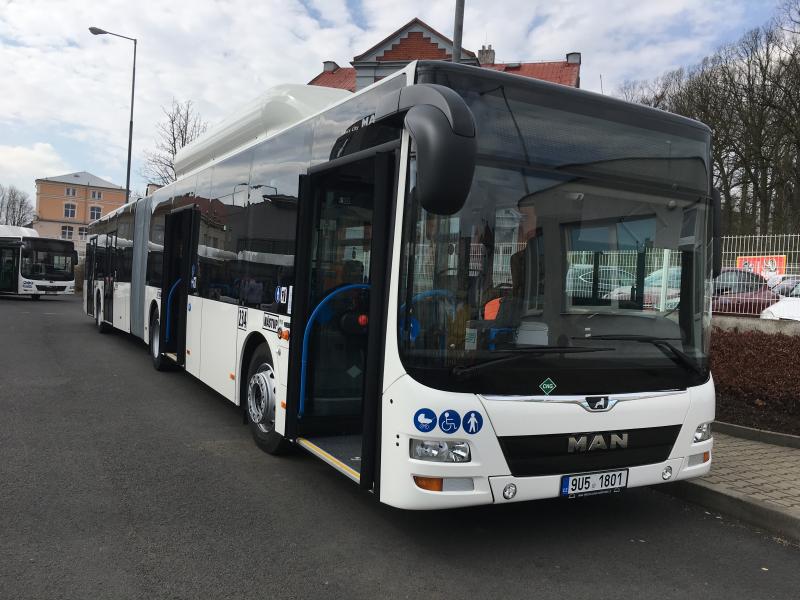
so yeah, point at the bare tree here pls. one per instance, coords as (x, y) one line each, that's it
(748, 93)
(180, 126)
(15, 206)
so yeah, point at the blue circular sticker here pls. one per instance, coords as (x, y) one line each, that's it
(473, 421)
(425, 420)
(449, 421)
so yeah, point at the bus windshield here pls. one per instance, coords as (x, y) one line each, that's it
(594, 275)
(50, 260)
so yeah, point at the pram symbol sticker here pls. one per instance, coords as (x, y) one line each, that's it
(425, 420)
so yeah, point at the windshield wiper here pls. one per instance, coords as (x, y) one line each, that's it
(518, 353)
(663, 344)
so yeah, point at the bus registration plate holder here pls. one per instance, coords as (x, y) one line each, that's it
(588, 484)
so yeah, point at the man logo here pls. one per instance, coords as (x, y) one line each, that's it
(598, 402)
(599, 441)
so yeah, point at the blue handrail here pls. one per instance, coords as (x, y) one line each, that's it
(169, 308)
(307, 337)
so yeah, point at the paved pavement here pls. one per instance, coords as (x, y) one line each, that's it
(120, 482)
(752, 480)
(763, 472)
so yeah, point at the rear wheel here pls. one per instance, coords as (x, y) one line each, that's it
(260, 403)
(98, 317)
(159, 361)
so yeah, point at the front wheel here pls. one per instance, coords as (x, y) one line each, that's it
(260, 403)
(159, 362)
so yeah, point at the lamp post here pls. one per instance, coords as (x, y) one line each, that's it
(98, 31)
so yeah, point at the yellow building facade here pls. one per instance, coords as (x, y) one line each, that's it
(66, 204)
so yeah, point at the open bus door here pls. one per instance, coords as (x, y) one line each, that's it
(110, 279)
(89, 268)
(339, 313)
(181, 232)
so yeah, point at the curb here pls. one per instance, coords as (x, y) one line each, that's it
(763, 514)
(757, 435)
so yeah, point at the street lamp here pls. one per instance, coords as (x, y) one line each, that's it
(98, 31)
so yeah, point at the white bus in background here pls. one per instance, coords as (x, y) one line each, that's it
(34, 266)
(382, 279)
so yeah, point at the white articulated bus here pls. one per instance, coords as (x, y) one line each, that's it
(34, 266)
(440, 285)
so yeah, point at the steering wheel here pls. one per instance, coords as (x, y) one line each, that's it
(414, 327)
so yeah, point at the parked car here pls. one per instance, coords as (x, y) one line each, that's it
(785, 285)
(787, 307)
(652, 289)
(580, 279)
(741, 292)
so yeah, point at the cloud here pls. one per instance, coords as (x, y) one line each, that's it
(221, 54)
(21, 165)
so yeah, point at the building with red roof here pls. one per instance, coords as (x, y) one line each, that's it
(416, 40)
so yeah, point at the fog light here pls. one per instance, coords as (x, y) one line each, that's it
(440, 451)
(666, 474)
(509, 491)
(702, 433)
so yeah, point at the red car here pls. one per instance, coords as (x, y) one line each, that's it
(741, 292)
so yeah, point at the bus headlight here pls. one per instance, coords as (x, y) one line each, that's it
(440, 451)
(702, 433)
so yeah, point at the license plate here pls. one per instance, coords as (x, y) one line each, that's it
(586, 484)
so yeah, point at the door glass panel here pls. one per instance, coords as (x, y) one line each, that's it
(339, 294)
(8, 279)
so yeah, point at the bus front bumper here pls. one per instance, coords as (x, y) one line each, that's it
(549, 486)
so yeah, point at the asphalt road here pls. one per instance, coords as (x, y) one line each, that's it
(120, 482)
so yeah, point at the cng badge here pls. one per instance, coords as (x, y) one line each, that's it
(547, 386)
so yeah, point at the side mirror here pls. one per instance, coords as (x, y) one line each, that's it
(443, 129)
(716, 232)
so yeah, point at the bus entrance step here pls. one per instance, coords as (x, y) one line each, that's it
(342, 452)
(172, 356)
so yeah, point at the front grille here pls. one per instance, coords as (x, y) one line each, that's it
(529, 455)
(51, 288)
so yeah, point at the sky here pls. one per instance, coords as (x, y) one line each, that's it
(65, 94)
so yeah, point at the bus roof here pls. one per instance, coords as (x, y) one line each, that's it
(12, 231)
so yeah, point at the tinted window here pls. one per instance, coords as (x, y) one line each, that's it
(124, 252)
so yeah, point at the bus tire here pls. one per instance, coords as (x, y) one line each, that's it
(35, 296)
(159, 361)
(259, 402)
(98, 317)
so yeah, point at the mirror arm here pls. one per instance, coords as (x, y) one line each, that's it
(443, 128)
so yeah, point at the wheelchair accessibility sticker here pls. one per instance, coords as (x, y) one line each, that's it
(425, 420)
(449, 421)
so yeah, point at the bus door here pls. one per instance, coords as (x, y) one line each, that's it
(110, 279)
(338, 317)
(179, 277)
(89, 267)
(9, 268)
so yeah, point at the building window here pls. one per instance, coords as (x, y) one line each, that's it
(70, 192)
(97, 195)
(82, 234)
(69, 211)
(66, 232)
(94, 213)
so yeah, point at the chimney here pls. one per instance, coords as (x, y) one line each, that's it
(330, 65)
(574, 58)
(486, 55)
